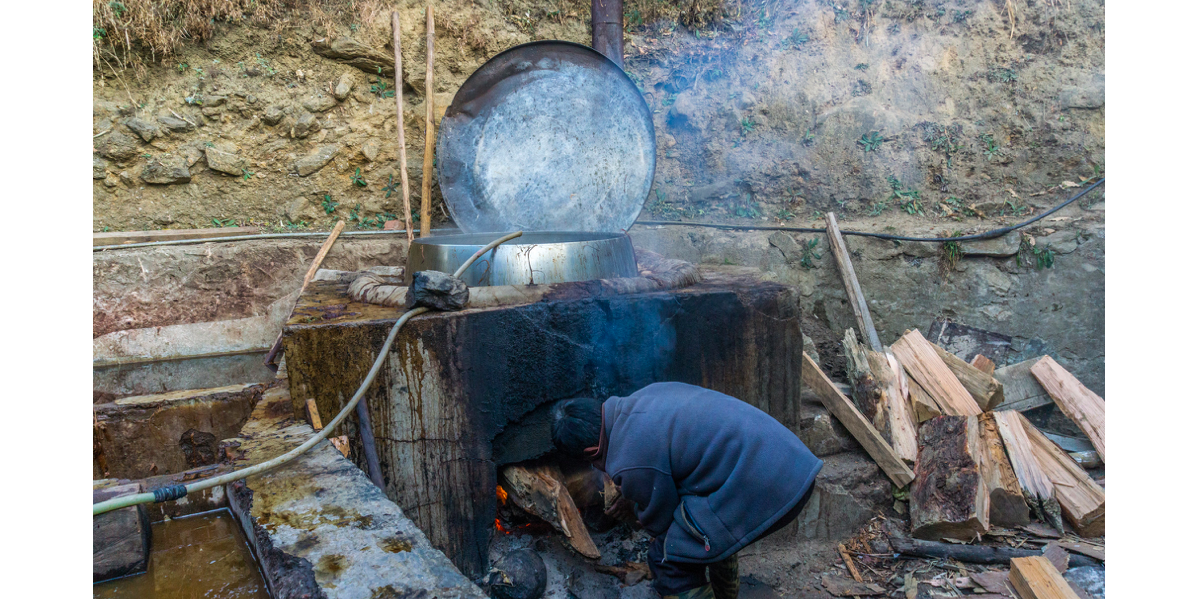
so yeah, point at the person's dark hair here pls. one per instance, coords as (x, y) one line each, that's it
(576, 424)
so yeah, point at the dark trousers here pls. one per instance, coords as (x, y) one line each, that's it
(674, 578)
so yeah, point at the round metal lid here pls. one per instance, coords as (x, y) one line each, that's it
(546, 136)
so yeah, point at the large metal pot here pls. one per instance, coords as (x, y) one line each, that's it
(540, 257)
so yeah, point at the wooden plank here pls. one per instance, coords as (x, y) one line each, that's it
(1020, 390)
(314, 415)
(540, 491)
(124, 237)
(1007, 507)
(877, 395)
(848, 415)
(982, 387)
(949, 497)
(1036, 578)
(1083, 548)
(925, 366)
(923, 405)
(1038, 489)
(1084, 407)
(983, 363)
(852, 288)
(1082, 501)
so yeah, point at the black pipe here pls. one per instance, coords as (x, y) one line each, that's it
(607, 29)
(367, 436)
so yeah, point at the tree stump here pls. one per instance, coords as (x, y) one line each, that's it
(949, 498)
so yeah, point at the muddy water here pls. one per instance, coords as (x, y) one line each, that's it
(201, 556)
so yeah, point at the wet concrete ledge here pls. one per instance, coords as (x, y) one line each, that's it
(320, 528)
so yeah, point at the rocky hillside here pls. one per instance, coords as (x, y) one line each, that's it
(918, 114)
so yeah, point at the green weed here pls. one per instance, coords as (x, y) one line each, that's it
(942, 138)
(98, 33)
(861, 66)
(747, 125)
(181, 67)
(808, 138)
(329, 204)
(950, 254)
(379, 88)
(246, 174)
(870, 141)
(224, 222)
(265, 64)
(785, 214)
(908, 198)
(796, 39)
(1001, 75)
(807, 260)
(990, 150)
(357, 178)
(390, 186)
(1029, 254)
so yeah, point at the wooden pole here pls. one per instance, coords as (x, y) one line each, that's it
(851, 286)
(403, 153)
(324, 251)
(426, 183)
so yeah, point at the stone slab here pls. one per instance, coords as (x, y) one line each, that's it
(320, 528)
(120, 538)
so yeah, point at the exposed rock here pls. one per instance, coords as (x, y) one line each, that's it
(120, 538)
(126, 178)
(1090, 579)
(214, 101)
(518, 575)
(345, 85)
(99, 167)
(111, 181)
(315, 161)
(273, 114)
(118, 146)
(192, 152)
(1061, 242)
(176, 124)
(357, 55)
(1007, 245)
(146, 130)
(437, 290)
(319, 103)
(370, 150)
(305, 125)
(1090, 94)
(789, 247)
(210, 111)
(165, 170)
(225, 162)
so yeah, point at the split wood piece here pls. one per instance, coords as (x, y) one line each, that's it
(320, 255)
(982, 387)
(879, 398)
(983, 363)
(403, 150)
(426, 182)
(843, 587)
(925, 366)
(124, 237)
(1019, 388)
(1082, 501)
(1083, 548)
(848, 563)
(852, 288)
(848, 415)
(1036, 578)
(922, 404)
(1038, 490)
(539, 490)
(314, 415)
(974, 554)
(949, 498)
(341, 443)
(1084, 407)
(1007, 506)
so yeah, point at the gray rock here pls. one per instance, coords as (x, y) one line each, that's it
(1088, 94)
(345, 85)
(273, 114)
(823, 434)
(111, 180)
(319, 103)
(438, 291)
(192, 152)
(211, 111)
(518, 575)
(176, 124)
(214, 101)
(99, 167)
(370, 150)
(1007, 245)
(118, 146)
(126, 178)
(315, 161)
(809, 348)
(305, 125)
(1090, 579)
(146, 130)
(225, 162)
(357, 55)
(1061, 242)
(165, 170)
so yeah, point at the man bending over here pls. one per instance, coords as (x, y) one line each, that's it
(707, 474)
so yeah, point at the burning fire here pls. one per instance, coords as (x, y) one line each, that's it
(502, 495)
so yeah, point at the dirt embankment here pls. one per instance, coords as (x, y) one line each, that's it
(913, 115)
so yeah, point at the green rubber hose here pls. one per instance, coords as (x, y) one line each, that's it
(171, 493)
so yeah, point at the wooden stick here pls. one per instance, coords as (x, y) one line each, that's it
(324, 251)
(848, 563)
(856, 298)
(1084, 407)
(877, 396)
(123, 237)
(426, 182)
(314, 415)
(851, 418)
(403, 151)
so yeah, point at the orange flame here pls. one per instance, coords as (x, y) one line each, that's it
(500, 528)
(502, 495)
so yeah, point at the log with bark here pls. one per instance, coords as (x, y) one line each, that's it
(921, 361)
(949, 497)
(1081, 499)
(879, 397)
(974, 554)
(1007, 506)
(1084, 407)
(1038, 490)
(539, 490)
(982, 387)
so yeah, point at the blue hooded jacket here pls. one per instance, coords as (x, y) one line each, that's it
(708, 471)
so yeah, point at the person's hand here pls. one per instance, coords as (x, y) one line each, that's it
(621, 509)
